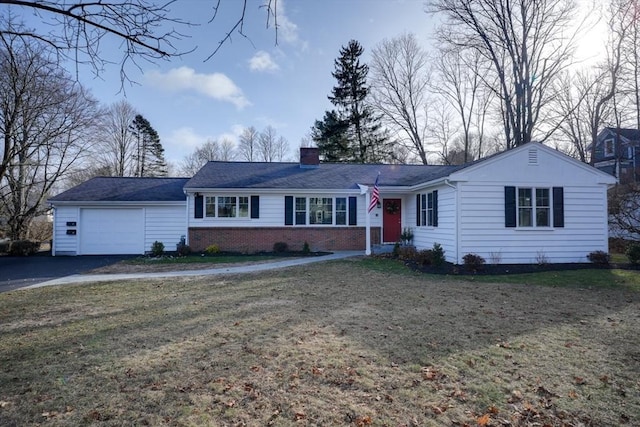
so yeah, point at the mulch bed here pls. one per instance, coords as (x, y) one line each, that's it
(501, 269)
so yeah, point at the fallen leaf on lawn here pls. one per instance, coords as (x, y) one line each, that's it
(604, 379)
(493, 410)
(255, 368)
(573, 394)
(4, 403)
(516, 396)
(438, 409)
(230, 404)
(364, 420)
(579, 380)
(299, 416)
(317, 371)
(484, 420)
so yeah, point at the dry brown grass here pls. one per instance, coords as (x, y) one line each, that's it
(326, 344)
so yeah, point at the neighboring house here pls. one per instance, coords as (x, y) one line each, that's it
(618, 153)
(525, 205)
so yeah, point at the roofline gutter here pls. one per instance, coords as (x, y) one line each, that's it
(112, 203)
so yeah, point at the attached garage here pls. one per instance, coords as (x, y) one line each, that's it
(117, 216)
(111, 231)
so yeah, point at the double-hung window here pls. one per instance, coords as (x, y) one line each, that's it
(227, 206)
(320, 210)
(534, 207)
(427, 209)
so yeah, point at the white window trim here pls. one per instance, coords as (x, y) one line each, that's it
(424, 210)
(534, 209)
(333, 211)
(226, 218)
(609, 142)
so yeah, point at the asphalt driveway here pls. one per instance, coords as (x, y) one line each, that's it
(18, 272)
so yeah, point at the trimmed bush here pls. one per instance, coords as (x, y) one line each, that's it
(473, 262)
(437, 255)
(4, 246)
(157, 248)
(212, 249)
(305, 248)
(407, 253)
(599, 257)
(396, 250)
(23, 248)
(280, 247)
(424, 257)
(633, 253)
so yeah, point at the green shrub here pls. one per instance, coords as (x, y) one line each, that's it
(407, 235)
(407, 253)
(396, 250)
(23, 247)
(212, 249)
(437, 255)
(157, 248)
(599, 257)
(182, 248)
(473, 262)
(424, 257)
(305, 248)
(280, 247)
(4, 246)
(633, 253)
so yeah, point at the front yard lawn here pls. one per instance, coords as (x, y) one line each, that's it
(336, 343)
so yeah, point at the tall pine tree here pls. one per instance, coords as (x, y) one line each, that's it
(354, 122)
(149, 155)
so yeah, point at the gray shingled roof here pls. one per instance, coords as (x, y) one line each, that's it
(115, 189)
(334, 176)
(630, 134)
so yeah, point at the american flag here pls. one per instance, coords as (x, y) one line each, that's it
(375, 195)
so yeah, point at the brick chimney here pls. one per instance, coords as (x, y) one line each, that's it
(309, 157)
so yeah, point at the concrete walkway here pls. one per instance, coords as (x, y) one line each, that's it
(92, 278)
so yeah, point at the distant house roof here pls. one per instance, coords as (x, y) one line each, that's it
(335, 176)
(117, 189)
(629, 134)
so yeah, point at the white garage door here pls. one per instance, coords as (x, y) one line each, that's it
(111, 231)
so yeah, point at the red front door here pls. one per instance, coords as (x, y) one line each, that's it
(391, 220)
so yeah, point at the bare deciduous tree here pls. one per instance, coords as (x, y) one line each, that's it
(271, 147)
(46, 122)
(118, 143)
(148, 30)
(209, 151)
(526, 44)
(399, 81)
(248, 146)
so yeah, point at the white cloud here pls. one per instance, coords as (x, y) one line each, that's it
(262, 61)
(216, 85)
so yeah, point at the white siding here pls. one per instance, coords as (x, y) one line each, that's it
(166, 224)
(482, 218)
(272, 210)
(445, 232)
(65, 244)
(163, 222)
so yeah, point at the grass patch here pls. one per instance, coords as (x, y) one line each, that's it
(199, 259)
(335, 343)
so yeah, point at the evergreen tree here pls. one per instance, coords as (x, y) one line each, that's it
(149, 155)
(367, 144)
(331, 135)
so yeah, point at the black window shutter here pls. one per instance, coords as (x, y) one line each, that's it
(418, 210)
(558, 207)
(353, 210)
(509, 206)
(255, 206)
(199, 206)
(435, 208)
(288, 210)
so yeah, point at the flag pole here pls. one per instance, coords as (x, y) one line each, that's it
(368, 224)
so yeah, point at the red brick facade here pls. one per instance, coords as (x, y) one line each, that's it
(257, 239)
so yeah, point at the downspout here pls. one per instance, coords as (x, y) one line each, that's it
(186, 223)
(457, 222)
(53, 233)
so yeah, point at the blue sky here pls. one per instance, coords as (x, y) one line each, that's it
(254, 82)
